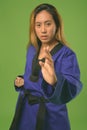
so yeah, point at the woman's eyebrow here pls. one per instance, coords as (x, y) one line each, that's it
(44, 21)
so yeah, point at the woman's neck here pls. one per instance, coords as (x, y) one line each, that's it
(51, 45)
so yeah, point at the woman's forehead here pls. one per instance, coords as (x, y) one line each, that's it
(43, 16)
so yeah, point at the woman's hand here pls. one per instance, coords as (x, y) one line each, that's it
(19, 82)
(47, 67)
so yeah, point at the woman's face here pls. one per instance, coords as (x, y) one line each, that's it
(45, 27)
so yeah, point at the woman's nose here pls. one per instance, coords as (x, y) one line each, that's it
(43, 29)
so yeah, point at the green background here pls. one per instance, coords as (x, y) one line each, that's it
(14, 26)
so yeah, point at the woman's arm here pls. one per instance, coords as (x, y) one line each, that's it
(68, 83)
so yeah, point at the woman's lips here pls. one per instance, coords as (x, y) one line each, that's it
(44, 37)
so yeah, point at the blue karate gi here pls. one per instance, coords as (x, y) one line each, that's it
(67, 88)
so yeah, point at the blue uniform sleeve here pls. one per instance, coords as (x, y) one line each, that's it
(29, 52)
(68, 84)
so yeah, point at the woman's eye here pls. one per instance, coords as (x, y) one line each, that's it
(48, 24)
(38, 25)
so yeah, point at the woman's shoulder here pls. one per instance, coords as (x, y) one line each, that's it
(66, 50)
(31, 50)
